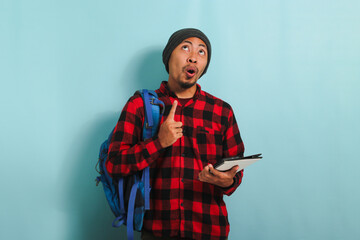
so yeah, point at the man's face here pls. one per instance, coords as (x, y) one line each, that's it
(187, 62)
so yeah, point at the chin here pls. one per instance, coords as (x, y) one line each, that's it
(188, 84)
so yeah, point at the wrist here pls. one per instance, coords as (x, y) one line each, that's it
(162, 143)
(228, 185)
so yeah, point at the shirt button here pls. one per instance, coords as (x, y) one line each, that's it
(182, 180)
(183, 154)
(182, 204)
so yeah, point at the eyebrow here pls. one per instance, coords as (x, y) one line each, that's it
(202, 45)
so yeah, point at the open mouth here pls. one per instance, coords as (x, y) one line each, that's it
(190, 71)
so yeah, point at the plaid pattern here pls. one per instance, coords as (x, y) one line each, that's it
(181, 205)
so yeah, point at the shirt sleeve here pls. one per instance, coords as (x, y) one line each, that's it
(233, 146)
(128, 153)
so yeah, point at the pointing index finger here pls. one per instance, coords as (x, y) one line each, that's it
(173, 110)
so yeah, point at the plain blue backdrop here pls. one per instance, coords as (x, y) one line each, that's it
(290, 70)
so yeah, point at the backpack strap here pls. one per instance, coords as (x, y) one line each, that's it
(121, 219)
(146, 180)
(130, 213)
(154, 109)
(121, 195)
(148, 123)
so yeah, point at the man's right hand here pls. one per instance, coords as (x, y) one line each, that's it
(170, 130)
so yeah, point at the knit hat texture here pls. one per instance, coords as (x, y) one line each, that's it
(178, 37)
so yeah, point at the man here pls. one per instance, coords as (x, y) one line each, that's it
(197, 130)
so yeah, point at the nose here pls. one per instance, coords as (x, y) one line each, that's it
(192, 59)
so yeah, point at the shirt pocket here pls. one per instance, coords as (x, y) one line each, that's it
(208, 145)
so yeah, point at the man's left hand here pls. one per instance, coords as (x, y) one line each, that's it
(222, 179)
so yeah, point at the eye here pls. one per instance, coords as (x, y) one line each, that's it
(185, 47)
(202, 52)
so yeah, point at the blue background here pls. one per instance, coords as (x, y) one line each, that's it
(290, 70)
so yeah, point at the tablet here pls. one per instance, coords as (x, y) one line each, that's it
(227, 163)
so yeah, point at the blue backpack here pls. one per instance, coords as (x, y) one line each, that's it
(129, 197)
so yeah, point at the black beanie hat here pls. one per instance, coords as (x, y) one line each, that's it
(178, 37)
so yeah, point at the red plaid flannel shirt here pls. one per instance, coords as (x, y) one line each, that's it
(181, 205)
